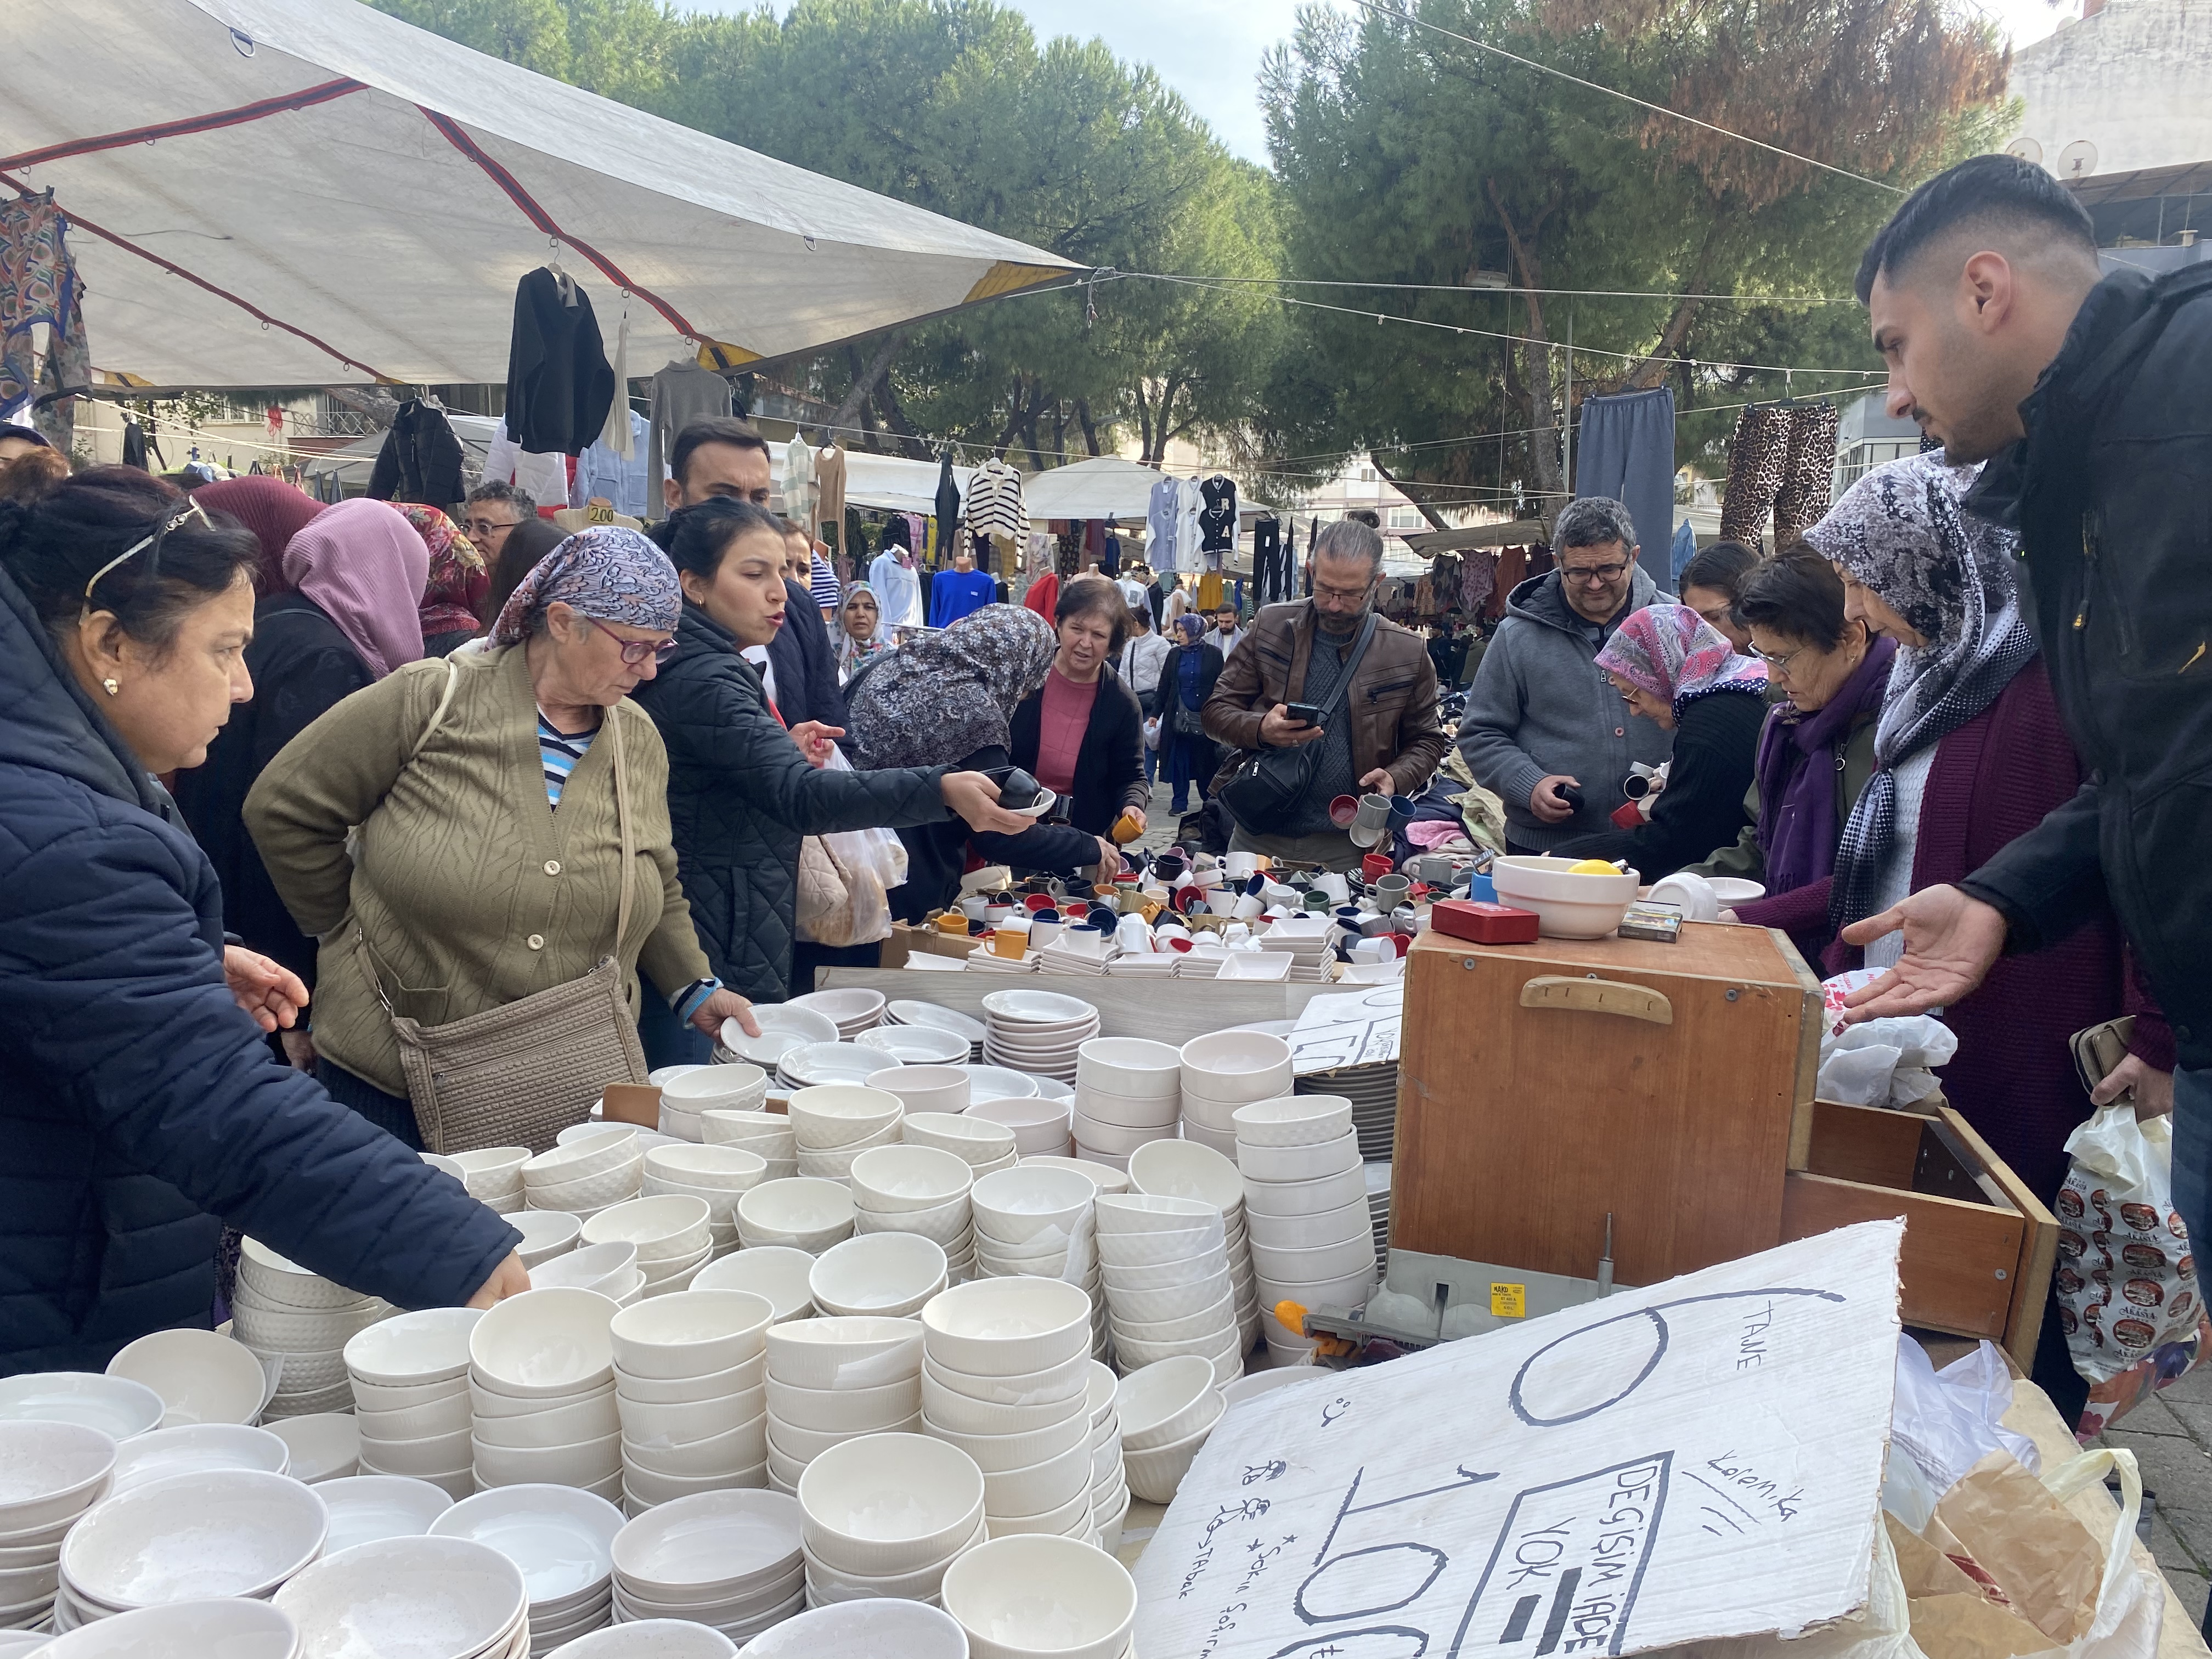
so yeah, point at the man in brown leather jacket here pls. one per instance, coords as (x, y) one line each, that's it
(1384, 740)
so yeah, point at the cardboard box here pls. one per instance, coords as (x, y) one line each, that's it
(906, 939)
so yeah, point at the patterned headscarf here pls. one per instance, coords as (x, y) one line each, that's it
(1899, 531)
(948, 694)
(272, 509)
(1192, 625)
(606, 573)
(458, 578)
(1676, 655)
(852, 653)
(362, 563)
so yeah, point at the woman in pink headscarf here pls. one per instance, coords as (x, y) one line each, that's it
(347, 615)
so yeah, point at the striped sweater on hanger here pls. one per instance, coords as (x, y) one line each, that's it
(993, 506)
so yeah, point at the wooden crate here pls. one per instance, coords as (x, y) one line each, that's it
(1979, 1246)
(1544, 1086)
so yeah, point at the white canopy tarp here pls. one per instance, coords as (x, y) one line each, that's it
(293, 193)
(1103, 487)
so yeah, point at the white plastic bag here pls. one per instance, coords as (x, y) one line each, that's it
(1153, 733)
(2126, 1280)
(1882, 1062)
(868, 863)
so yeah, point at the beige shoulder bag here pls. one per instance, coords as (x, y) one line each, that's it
(517, 1075)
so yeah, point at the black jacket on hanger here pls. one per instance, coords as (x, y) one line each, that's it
(421, 460)
(948, 509)
(559, 383)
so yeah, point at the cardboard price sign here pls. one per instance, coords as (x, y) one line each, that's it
(1691, 1460)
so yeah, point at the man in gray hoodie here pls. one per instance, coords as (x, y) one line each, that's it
(1541, 715)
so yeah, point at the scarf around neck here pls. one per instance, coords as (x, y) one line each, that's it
(1796, 771)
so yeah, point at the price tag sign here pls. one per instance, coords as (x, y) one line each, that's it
(1509, 1301)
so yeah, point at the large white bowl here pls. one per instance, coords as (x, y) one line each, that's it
(1036, 1011)
(490, 1171)
(560, 1538)
(114, 1404)
(843, 1411)
(227, 1532)
(1104, 1176)
(804, 1211)
(872, 1628)
(663, 1229)
(455, 1599)
(1154, 1474)
(931, 1088)
(891, 1274)
(776, 1272)
(740, 1378)
(1022, 1596)
(852, 1008)
(885, 1503)
(1183, 1168)
(1293, 1121)
(848, 1351)
(904, 1177)
(282, 1279)
(946, 1224)
(1229, 1065)
(1018, 1205)
(1040, 1125)
(1567, 906)
(410, 1349)
(767, 1134)
(1165, 1402)
(593, 1193)
(579, 1464)
(916, 1045)
(1305, 1163)
(234, 1627)
(782, 1028)
(1131, 1066)
(817, 1065)
(998, 1454)
(711, 1548)
(1008, 1327)
(1095, 1138)
(188, 1449)
(969, 1137)
(735, 1087)
(545, 1234)
(1194, 1244)
(583, 1157)
(988, 1083)
(944, 1406)
(1297, 1198)
(544, 1344)
(366, 1507)
(201, 1377)
(1140, 1309)
(324, 1445)
(833, 1115)
(50, 1471)
(1123, 1213)
(590, 1266)
(1101, 1106)
(692, 1333)
(1314, 1263)
(1347, 1290)
(726, 1167)
(1322, 1227)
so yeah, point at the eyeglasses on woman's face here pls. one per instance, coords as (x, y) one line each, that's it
(634, 652)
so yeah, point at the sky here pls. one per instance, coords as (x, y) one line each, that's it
(1210, 51)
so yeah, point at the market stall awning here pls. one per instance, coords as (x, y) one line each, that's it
(288, 192)
(1103, 487)
(1430, 543)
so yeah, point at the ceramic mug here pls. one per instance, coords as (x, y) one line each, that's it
(1343, 810)
(1693, 893)
(1338, 889)
(1244, 865)
(1010, 943)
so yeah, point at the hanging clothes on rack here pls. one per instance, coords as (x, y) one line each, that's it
(994, 502)
(559, 383)
(895, 580)
(543, 476)
(948, 512)
(800, 500)
(1626, 451)
(1808, 471)
(617, 478)
(617, 435)
(421, 459)
(38, 284)
(1267, 571)
(1162, 513)
(1110, 565)
(680, 393)
(1757, 452)
(1190, 535)
(1217, 520)
(829, 519)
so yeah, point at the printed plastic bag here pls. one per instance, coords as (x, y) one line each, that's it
(1882, 1062)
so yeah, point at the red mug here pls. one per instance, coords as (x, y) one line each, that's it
(1038, 901)
(1343, 810)
(1376, 865)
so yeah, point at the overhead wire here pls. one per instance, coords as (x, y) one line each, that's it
(1542, 293)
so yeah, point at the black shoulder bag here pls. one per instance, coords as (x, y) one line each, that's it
(1270, 783)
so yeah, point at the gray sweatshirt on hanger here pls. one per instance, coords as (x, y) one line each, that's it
(682, 392)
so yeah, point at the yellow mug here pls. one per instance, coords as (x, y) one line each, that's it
(1008, 942)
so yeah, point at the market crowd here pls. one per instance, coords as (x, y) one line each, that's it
(290, 789)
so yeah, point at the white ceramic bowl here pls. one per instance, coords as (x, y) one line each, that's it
(410, 1349)
(1131, 1066)
(853, 1007)
(988, 1083)
(458, 1599)
(1348, 1289)
(1167, 1274)
(1567, 906)
(560, 1538)
(806, 1212)
(663, 1229)
(1022, 1596)
(1293, 1121)
(1316, 1263)
(1141, 1309)
(324, 1445)
(366, 1507)
(903, 1177)
(227, 1532)
(891, 1274)
(1183, 1168)
(843, 1411)
(972, 1138)
(1098, 1106)
(589, 1267)
(916, 1045)
(778, 1273)
(51, 1471)
(1095, 1138)
(885, 1503)
(1069, 1520)
(689, 1333)
(847, 1351)
(579, 1463)
(591, 1194)
(782, 1028)
(1154, 1474)
(489, 1171)
(871, 1628)
(741, 1378)
(234, 1627)
(1016, 1206)
(736, 1086)
(1040, 1126)
(726, 1167)
(1036, 1011)
(1309, 1197)
(189, 1448)
(1104, 1176)
(1153, 1248)
(801, 1446)
(817, 1065)
(930, 1088)
(1121, 1214)
(201, 1377)
(1008, 1327)
(585, 1157)
(114, 1404)
(545, 1234)
(944, 1406)
(1039, 1488)
(544, 1344)
(1164, 1402)
(1305, 1163)
(998, 1454)
(1225, 1065)
(1294, 1232)
(282, 1279)
(767, 1134)
(712, 1547)
(831, 1115)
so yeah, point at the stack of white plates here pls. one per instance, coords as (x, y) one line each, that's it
(1311, 941)
(1109, 1489)
(966, 1026)
(736, 1086)
(1168, 1290)
(1167, 1409)
(1224, 1070)
(777, 1273)
(813, 1063)
(321, 1446)
(782, 1029)
(1006, 1377)
(560, 1540)
(1373, 1092)
(1087, 1614)
(1079, 952)
(884, 1515)
(687, 1387)
(545, 1234)
(587, 1174)
(186, 1538)
(836, 1122)
(805, 1212)
(983, 1146)
(203, 1376)
(729, 1560)
(1183, 1168)
(1305, 1192)
(835, 1379)
(990, 962)
(1035, 1222)
(1128, 1093)
(451, 1597)
(610, 1269)
(297, 1324)
(493, 1175)
(917, 1045)
(886, 1274)
(672, 1232)
(49, 1474)
(1105, 1175)
(766, 1135)
(917, 1190)
(717, 1175)
(367, 1507)
(1038, 1031)
(541, 1389)
(854, 1009)
(1145, 964)
(191, 1448)
(410, 1388)
(1378, 1207)
(1039, 1123)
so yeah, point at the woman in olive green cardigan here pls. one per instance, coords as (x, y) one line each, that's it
(489, 864)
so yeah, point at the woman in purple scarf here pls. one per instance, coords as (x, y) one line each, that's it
(1817, 749)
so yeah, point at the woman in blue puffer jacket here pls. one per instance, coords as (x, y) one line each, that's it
(140, 1104)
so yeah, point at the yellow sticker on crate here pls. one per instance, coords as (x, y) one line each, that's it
(1509, 1301)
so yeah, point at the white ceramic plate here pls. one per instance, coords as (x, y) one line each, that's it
(943, 1019)
(916, 1045)
(1038, 1007)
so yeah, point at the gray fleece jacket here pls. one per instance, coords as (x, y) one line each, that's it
(1540, 705)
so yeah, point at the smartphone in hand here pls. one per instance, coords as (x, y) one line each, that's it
(1306, 713)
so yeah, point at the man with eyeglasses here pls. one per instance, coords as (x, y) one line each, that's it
(1381, 737)
(492, 512)
(1542, 719)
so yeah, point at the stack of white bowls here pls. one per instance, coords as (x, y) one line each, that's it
(965, 1026)
(545, 1234)
(764, 1134)
(854, 1009)
(728, 1561)
(782, 1029)
(890, 1275)
(835, 1123)
(833, 1380)
(917, 1045)
(917, 1190)
(410, 1388)
(585, 1174)
(806, 1213)
(1167, 1409)
(1035, 1222)
(688, 1390)
(1224, 1070)
(53, 1473)
(1128, 1093)
(933, 1087)
(1041, 1123)
(542, 1393)
(1183, 1168)
(202, 1377)
(186, 1538)
(884, 1515)
(1305, 1192)
(1165, 1268)
(191, 1448)
(672, 1233)
(982, 1146)
(610, 1269)
(297, 1324)
(561, 1540)
(1109, 1489)
(493, 1175)
(715, 1175)
(449, 1596)
(733, 1087)
(775, 1272)
(1001, 1082)
(1026, 1598)
(1108, 1178)
(1006, 1377)
(1038, 1031)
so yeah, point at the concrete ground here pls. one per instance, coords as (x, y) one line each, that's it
(2171, 1435)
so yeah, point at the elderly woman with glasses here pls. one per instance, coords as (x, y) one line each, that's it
(488, 862)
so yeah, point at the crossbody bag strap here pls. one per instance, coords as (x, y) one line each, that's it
(1343, 691)
(623, 824)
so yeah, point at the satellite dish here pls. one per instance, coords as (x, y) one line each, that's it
(2078, 159)
(2026, 148)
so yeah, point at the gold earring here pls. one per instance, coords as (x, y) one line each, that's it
(110, 686)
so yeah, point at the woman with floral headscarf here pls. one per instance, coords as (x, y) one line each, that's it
(1680, 672)
(488, 862)
(457, 582)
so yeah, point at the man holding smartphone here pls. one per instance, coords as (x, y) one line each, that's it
(1379, 731)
